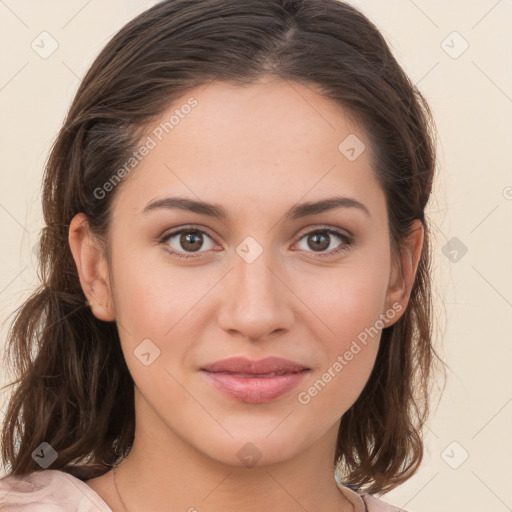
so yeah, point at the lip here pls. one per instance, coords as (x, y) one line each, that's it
(255, 367)
(245, 380)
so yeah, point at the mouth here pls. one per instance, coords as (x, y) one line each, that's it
(270, 366)
(255, 381)
(259, 375)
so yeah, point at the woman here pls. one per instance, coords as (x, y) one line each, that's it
(235, 308)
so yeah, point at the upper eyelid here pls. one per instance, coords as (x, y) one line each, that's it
(177, 231)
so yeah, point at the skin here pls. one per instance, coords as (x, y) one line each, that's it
(257, 151)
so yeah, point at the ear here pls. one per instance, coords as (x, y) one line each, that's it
(92, 268)
(402, 279)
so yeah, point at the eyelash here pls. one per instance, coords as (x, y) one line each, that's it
(345, 247)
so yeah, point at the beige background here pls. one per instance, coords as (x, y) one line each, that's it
(471, 95)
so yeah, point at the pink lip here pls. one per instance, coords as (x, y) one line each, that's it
(243, 379)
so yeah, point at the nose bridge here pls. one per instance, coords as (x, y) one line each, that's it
(254, 281)
(258, 301)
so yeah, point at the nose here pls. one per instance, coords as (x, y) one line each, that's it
(257, 300)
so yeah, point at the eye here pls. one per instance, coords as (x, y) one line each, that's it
(321, 239)
(189, 240)
(186, 239)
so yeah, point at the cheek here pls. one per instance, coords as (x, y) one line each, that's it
(346, 300)
(153, 308)
(151, 296)
(349, 303)
(339, 385)
(164, 305)
(350, 335)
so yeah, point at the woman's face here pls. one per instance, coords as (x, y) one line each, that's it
(266, 279)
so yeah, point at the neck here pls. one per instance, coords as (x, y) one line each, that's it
(163, 472)
(271, 488)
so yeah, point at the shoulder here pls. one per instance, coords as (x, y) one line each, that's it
(365, 502)
(375, 504)
(48, 490)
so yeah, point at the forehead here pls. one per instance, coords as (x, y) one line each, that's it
(268, 143)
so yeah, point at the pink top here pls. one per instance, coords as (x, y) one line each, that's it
(51, 490)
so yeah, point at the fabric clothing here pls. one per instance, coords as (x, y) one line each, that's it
(51, 490)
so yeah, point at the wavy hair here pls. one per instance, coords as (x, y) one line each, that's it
(73, 389)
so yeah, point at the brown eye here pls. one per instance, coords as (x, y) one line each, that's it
(185, 241)
(320, 240)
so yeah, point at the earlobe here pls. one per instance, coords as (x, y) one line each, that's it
(92, 268)
(404, 272)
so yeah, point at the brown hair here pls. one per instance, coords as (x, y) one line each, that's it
(74, 390)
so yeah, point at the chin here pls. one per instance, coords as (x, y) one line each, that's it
(255, 450)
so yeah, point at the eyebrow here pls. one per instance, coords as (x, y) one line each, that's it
(218, 212)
